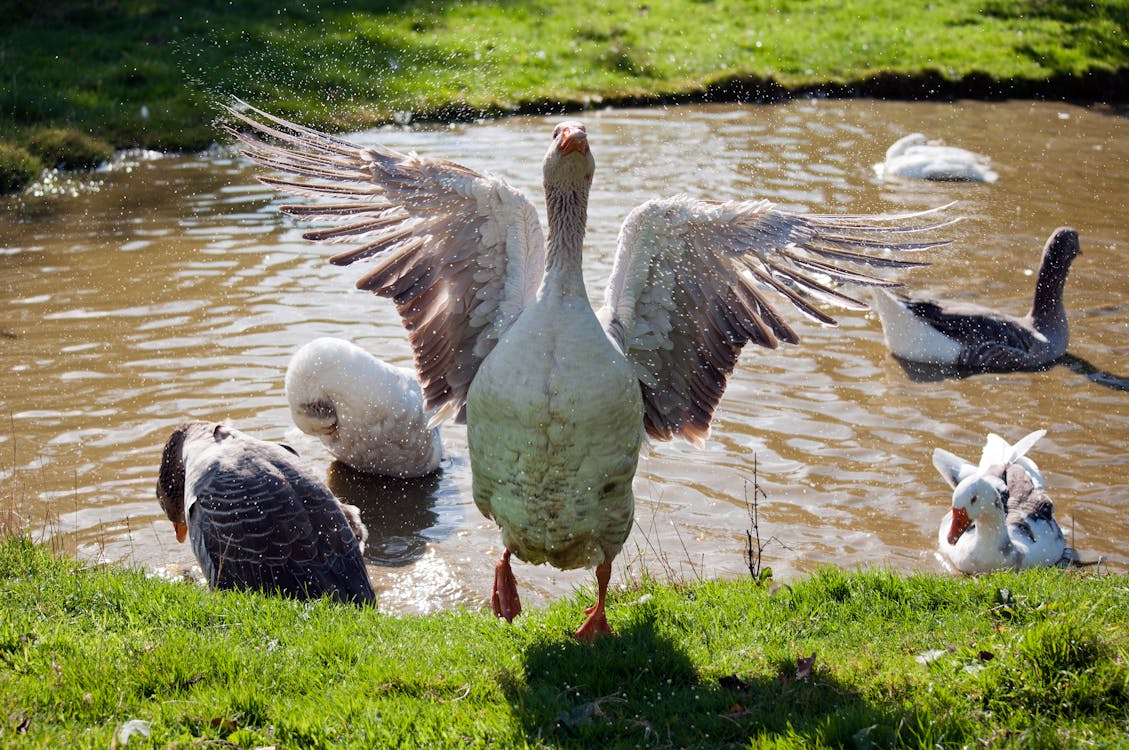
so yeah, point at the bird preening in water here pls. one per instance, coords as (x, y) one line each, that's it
(558, 397)
(367, 412)
(258, 518)
(916, 157)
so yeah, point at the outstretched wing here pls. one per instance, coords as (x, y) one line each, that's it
(998, 452)
(952, 468)
(687, 291)
(459, 253)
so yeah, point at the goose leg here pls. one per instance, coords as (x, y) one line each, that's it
(597, 622)
(505, 600)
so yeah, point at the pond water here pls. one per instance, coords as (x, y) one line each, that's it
(172, 288)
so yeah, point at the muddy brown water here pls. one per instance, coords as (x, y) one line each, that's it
(168, 288)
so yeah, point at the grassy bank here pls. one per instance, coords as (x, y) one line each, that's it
(134, 73)
(1033, 660)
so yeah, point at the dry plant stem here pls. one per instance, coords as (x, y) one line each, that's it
(754, 550)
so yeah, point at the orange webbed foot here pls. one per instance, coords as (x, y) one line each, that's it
(505, 599)
(594, 627)
(597, 623)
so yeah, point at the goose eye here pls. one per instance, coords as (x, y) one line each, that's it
(972, 501)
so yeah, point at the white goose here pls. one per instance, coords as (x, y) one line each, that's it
(976, 338)
(555, 397)
(916, 157)
(1001, 517)
(368, 413)
(259, 518)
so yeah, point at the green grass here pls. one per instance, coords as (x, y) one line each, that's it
(151, 74)
(1031, 660)
(94, 65)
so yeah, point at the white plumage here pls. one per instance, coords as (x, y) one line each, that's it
(916, 157)
(1001, 516)
(368, 413)
(555, 396)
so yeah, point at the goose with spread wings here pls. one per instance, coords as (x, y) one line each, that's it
(557, 397)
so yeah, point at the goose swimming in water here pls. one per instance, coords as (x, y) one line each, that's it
(976, 338)
(914, 156)
(556, 397)
(368, 413)
(259, 518)
(1001, 516)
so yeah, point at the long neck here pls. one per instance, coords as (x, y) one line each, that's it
(989, 545)
(567, 210)
(991, 536)
(992, 526)
(1047, 308)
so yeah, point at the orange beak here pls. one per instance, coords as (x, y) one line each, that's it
(960, 524)
(181, 531)
(573, 139)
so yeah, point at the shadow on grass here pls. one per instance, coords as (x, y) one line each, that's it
(641, 690)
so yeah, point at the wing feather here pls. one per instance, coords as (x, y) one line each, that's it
(459, 253)
(686, 291)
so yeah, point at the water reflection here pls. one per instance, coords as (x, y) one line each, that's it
(1094, 374)
(395, 511)
(929, 372)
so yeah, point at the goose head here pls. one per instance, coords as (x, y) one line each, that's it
(1061, 249)
(569, 161)
(1062, 245)
(904, 144)
(315, 417)
(977, 498)
(170, 478)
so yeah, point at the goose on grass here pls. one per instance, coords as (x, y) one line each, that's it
(258, 517)
(556, 397)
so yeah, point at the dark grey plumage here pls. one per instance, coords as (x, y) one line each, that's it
(1026, 503)
(259, 518)
(978, 338)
